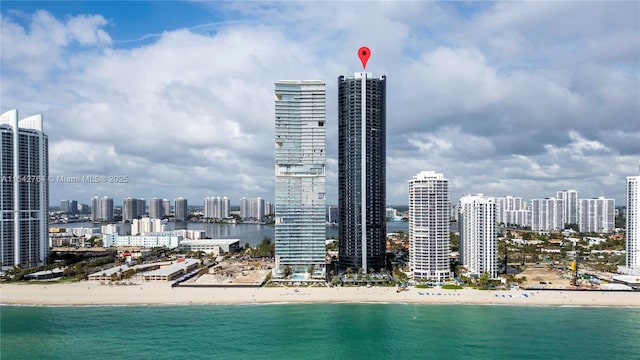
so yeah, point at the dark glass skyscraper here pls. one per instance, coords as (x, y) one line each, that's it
(362, 171)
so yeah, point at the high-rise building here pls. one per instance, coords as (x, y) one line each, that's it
(597, 215)
(505, 206)
(166, 207)
(633, 222)
(133, 208)
(181, 210)
(252, 209)
(102, 209)
(156, 209)
(547, 214)
(216, 207)
(362, 171)
(24, 190)
(570, 206)
(64, 206)
(478, 235)
(429, 209)
(300, 159)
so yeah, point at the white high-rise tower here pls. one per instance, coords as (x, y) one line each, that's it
(478, 240)
(24, 191)
(429, 210)
(633, 222)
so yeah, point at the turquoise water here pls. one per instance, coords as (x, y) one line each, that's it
(319, 331)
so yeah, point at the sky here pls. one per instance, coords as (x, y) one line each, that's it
(503, 98)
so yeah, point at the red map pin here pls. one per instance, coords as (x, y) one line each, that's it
(364, 53)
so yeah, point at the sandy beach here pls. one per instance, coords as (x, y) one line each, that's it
(93, 293)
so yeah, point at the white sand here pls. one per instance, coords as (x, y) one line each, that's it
(92, 293)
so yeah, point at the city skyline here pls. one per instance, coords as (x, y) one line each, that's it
(517, 109)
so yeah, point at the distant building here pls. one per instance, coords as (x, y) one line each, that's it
(633, 222)
(547, 214)
(597, 215)
(211, 246)
(24, 190)
(252, 209)
(570, 205)
(102, 209)
(166, 207)
(478, 235)
(146, 225)
(69, 207)
(181, 209)
(362, 129)
(150, 240)
(131, 209)
(300, 160)
(333, 214)
(216, 207)
(156, 208)
(429, 209)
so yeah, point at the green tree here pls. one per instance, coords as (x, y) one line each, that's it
(454, 241)
(484, 279)
(287, 271)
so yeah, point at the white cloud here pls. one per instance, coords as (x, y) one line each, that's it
(496, 105)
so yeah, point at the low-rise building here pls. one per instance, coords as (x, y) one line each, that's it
(170, 272)
(211, 246)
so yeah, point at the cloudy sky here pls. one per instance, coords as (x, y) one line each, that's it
(505, 98)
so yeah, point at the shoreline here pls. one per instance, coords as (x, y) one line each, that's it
(92, 293)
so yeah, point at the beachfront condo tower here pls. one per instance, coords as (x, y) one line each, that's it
(478, 235)
(633, 222)
(24, 191)
(362, 172)
(429, 213)
(300, 160)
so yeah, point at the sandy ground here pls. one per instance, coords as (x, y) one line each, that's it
(92, 293)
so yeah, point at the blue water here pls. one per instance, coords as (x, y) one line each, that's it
(249, 233)
(319, 331)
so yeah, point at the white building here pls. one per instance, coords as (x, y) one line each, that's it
(547, 214)
(478, 240)
(252, 209)
(24, 190)
(102, 209)
(151, 240)
(570, 205)
(216, 207)
(633, 223)
(429, 209)
(597, 215)
(148, 225)
(211, 246)
(300, 160)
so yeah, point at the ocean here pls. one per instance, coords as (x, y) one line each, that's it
(319, 331)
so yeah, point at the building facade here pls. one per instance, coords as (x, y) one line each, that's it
(181, 209)
(429, 212)
(156, 208)
(216, 207)
(362, 171)
(252, 209)
(478, 235)
(102, 209)
(24, 191)
(633, 222)
(547, 214)
(597, 215)
(300, 161)
(570, 206)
